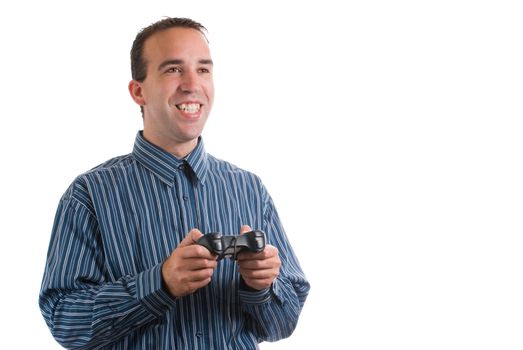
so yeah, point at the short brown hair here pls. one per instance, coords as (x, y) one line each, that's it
(138, 63)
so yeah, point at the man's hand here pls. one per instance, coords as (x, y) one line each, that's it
(189, 267)
(259, 269)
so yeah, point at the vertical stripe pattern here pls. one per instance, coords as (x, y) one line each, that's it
(116, 224)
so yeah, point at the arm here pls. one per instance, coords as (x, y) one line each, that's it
(83, 306)
(274, 309)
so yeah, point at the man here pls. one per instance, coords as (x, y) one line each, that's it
(124, 270)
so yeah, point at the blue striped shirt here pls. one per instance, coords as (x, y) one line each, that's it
(114, 227)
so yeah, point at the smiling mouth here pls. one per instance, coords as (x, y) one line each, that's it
(189, 107)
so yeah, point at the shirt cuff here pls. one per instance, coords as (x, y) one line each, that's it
(252, 296)
(151, 293)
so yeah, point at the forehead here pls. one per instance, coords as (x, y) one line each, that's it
(176, 43)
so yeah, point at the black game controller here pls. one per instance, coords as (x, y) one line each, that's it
(231, 246)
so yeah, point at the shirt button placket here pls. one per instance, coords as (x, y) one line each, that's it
(181, 169)
(199, 339)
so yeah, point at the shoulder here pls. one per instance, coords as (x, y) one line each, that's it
(227, 174)
(114, 164)
(222, 168)
(101, 174)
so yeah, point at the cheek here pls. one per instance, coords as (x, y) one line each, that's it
(156, 91)
(209, 91)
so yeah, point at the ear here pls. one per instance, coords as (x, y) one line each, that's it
(136, 91)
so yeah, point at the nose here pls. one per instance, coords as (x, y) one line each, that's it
(189, 82)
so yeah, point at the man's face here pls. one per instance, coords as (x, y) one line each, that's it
(178, 91)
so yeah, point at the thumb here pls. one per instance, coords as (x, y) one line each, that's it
(245, 229)
(191, 238)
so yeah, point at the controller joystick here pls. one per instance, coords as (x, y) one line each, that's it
(231, 246)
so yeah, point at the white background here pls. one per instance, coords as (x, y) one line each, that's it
(389, 134)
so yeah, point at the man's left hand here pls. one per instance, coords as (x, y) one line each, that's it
(259, 269)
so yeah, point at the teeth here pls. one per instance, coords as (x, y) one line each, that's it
(189, 107)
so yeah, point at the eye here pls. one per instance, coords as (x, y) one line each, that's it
(204, 70)
(173, 70)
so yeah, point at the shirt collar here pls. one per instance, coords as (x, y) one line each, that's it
(165, 165)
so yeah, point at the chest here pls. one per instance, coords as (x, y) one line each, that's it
(142, 220)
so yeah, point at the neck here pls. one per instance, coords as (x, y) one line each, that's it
(179, 149)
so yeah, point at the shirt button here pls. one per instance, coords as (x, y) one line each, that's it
(185, 197)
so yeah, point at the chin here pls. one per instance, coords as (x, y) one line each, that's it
(193, 133)
(192, 136)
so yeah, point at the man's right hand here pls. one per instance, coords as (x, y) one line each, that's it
(189, 267)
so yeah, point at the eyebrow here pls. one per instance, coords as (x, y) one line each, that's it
(178, 61)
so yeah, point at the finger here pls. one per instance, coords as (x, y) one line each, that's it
(195, 285)
(259, 274)
(268, 253)
(191, 238)
(259, 280)
(247, 256)
(256, 264)
(260, 265)
(198, 263)
(199, 275)
(245, 229)
(194, 256)
(188, 285)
